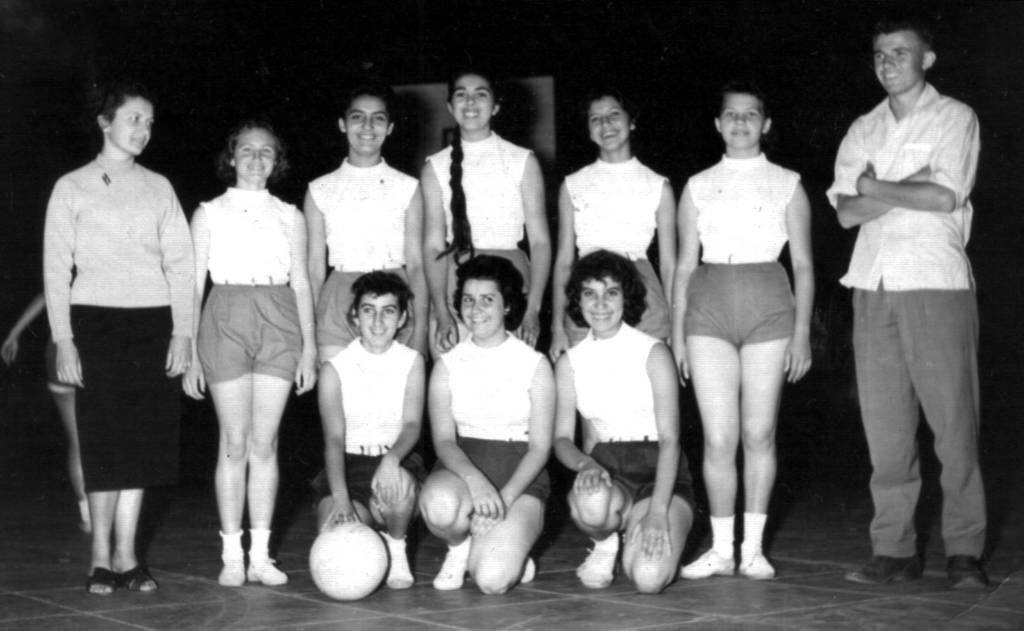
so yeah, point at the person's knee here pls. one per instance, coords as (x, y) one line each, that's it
(495, 576)
(651, 577)
(759, 441)
(720, 444)
(235, 446)
(440, 507)
(592, 511)
(263, 449)
(402, 509)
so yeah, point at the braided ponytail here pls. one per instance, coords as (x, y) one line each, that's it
(462, 232)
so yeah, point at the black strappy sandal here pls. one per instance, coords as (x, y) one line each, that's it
(135, 579)
(104, 577)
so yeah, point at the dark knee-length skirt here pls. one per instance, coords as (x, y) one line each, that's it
(129, 410)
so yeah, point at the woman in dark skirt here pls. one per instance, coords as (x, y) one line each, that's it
(122, 326)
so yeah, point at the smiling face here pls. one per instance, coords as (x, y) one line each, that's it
(254, 158)
(742, 123)
(483, 311)
(366, 125)
(472, 105)
(901, 60)
(127, 135)
(379, 318)
(602, 303)
(610, 126)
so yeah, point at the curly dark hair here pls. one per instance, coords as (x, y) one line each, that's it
(505, 275)
(600, 92)
(380, 283)
(226, 172)
(598, 266)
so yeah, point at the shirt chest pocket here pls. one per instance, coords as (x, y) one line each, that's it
(914, 157)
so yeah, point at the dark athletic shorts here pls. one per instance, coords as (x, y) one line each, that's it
(359, 472)
(498, 460)
(634, 465)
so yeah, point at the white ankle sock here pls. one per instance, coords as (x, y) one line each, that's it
(753, 531)
(259, 540)
(610, 544)
(399, 574)
(722, 532)
(231, 545)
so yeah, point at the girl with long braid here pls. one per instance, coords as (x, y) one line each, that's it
(478, 194)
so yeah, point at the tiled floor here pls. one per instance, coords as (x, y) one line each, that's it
(818, 531)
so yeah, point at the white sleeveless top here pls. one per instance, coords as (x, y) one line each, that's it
(364, 214)
(741, 206)
(616, 207)
(250, 238)
(491, 389)
(373, 395)
(492, 172)
(613, 390)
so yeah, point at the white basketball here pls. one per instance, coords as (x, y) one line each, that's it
(348, 562)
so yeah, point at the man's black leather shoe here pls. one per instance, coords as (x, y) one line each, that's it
(883, 569)
(965, 572)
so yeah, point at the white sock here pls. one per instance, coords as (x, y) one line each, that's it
(722, 532)
(609, 544)
(399, 574)
(753, 531)
(259, 540)
(453, 570)
(231, 546)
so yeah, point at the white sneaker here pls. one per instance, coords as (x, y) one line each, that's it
(233, 574)
(757, 567)
(453, 572)
(263, 571)
(709, 564)
(530, 572)
(598, 571)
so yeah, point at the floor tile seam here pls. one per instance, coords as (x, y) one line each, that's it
(853, 589)
(707, 620)
(34, 620)
(54, 604)
(978, 605)
(358, 620)
(822, 607)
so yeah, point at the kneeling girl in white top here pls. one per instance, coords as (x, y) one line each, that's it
(492, 402)
(371, 401)
(632, 473)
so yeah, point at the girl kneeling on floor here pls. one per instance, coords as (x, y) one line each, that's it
(492, 402)
(632, 473)
(371, 404)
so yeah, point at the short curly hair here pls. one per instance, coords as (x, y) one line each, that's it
(380, 283)
(505, 276)
(226, 172)
(598, 266)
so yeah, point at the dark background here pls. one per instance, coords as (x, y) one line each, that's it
(211, 64)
